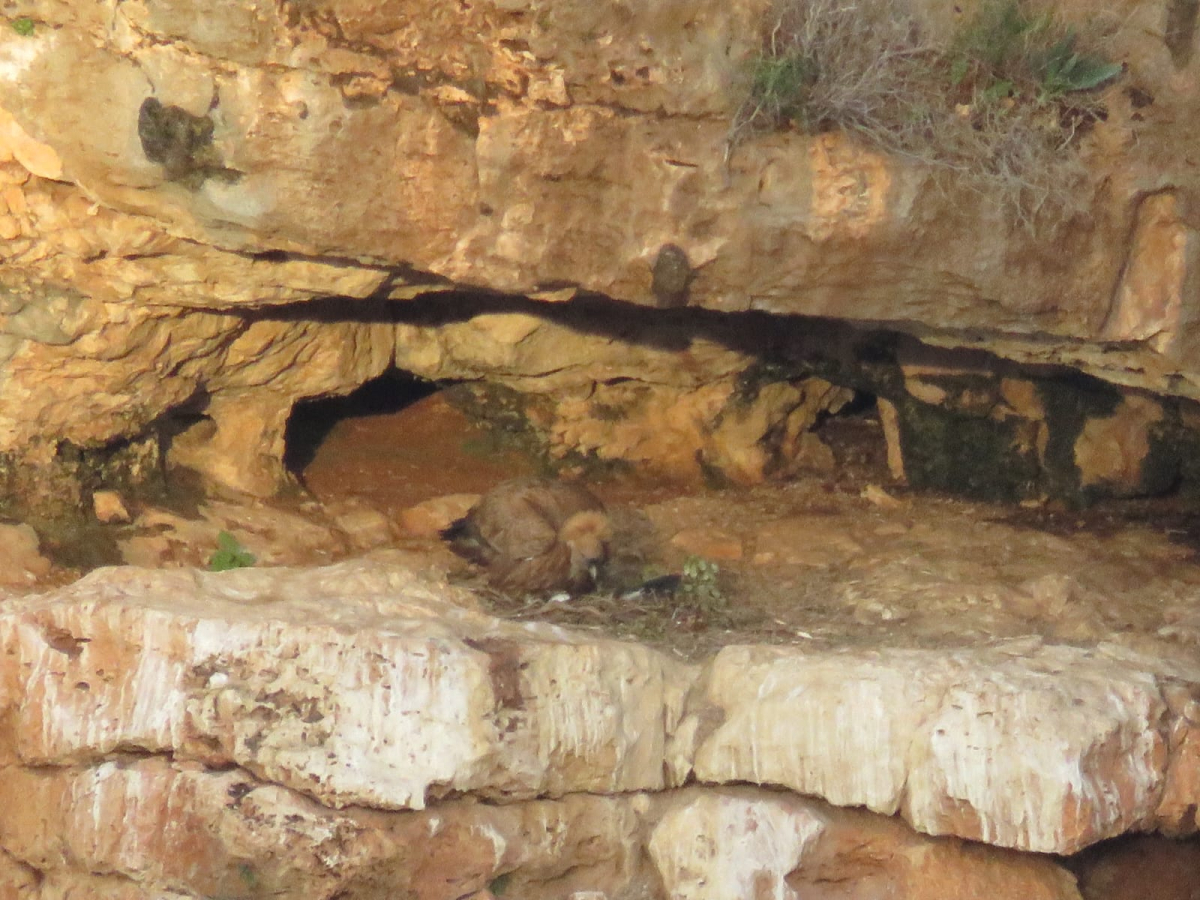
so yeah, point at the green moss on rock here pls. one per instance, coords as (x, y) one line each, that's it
(965, 453)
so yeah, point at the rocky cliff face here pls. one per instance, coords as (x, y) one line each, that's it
(360, 730)
(209, 213)
(173, 209)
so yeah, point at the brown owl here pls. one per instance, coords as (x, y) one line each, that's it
(534, 536)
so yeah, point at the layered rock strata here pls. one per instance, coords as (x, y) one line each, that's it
(293, 732)
(218, 215)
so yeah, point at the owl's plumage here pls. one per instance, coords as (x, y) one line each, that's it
(535, 536)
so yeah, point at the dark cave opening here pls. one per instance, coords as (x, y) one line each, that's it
(1134, 866)
(854, 434)
(399, 440)
(961, 421)
(311, 421)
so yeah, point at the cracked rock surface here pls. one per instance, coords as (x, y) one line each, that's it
(332, 711)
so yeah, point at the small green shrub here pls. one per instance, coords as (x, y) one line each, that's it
(23, 26)
(1009, 52)
(1064, 71)
(230, 554)
(1000, 106)
(701, 586)
(780, 85)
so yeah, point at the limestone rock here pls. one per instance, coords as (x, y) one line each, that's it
(378, 155)
(728, 844)
(1045, 748)
(1112, 451)
(179, 829)
(709, 544)
(271, 534)
(430, 518)
(1149, 302)
(324, 732)
(364, 526)
(983, 428)
(806, 541)
(354, 684)
(178, 824)
(21, 560)
(109, 507)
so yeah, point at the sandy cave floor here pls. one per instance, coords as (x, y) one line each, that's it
(845, 558)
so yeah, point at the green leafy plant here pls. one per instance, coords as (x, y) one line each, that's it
(701, 584)
(780, 84)
(999, 35)
(1065, 71)
(1013, 53)
(230, 554)
(23, 26)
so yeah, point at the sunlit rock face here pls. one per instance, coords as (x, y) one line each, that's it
(362, 729)
(169, 214)
(1037, 748)
(452, 703)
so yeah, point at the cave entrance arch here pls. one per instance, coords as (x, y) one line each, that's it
(397, 440)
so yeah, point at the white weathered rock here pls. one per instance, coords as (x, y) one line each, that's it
(1045, 748)
(356, 684)
(734, 843)
(177, 730)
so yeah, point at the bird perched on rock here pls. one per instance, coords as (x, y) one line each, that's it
(535, 536)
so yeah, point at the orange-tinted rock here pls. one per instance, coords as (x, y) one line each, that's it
(429, 518)
(807, 541)
(549, 157)
(21, 560)
(737, 843)
(709, 544)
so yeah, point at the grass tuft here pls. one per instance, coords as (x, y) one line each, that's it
(1001, 107)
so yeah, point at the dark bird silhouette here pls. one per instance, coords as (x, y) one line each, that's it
(535, 536)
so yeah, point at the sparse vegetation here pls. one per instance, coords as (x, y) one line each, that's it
(1000, 106)
(1005, 52)
(701, 587)
(23, 26)
(684, 610)
(230, 554)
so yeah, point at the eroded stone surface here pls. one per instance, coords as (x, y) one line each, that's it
(176, 730)
(735, 843)
(1038, 747)
(21, 561)
(153, 825)
(384, 700)
(376, 156)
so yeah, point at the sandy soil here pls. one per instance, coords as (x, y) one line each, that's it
(841, 558)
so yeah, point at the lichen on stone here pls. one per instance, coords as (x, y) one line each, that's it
(181, 143)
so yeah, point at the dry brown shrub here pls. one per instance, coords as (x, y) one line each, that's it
(1001, 109)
